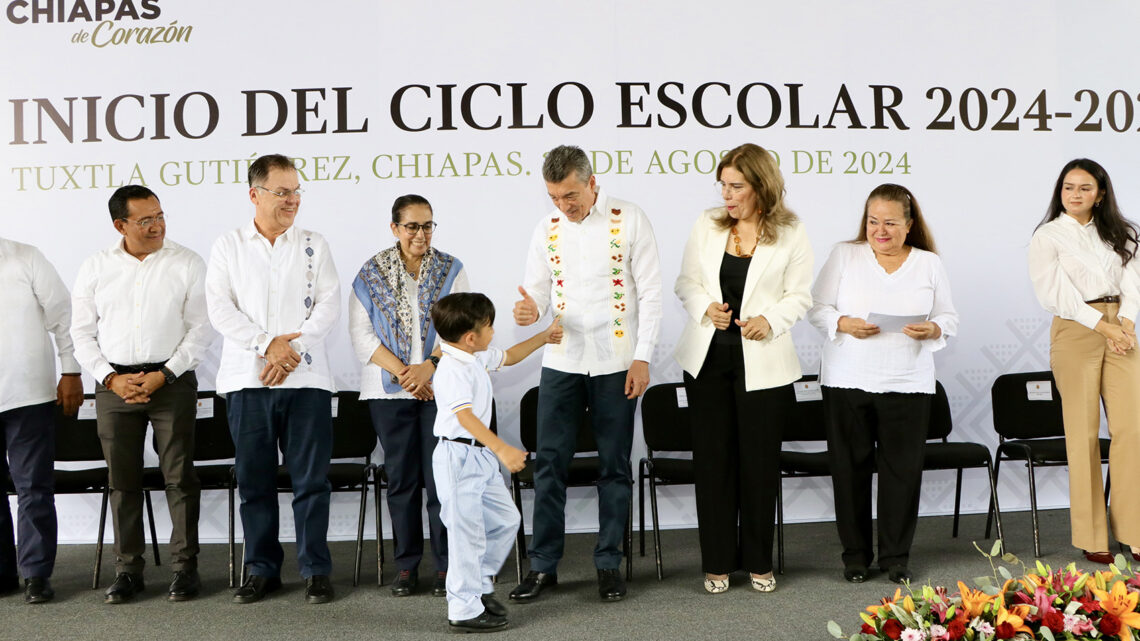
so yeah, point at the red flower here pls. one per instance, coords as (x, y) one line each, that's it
(956, 629)
(868, 629)
(1109, 625)
(1055, 621)
(893, 629)
(1004, 631)
(1089, 604)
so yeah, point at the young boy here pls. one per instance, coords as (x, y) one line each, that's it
(475, 505)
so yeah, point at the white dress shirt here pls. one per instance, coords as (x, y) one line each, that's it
(257, 290)
(462, 382)
(34, 302)
(129, 311)
(591, 343)
(1069, 264)
(852, 283)
(365, 341)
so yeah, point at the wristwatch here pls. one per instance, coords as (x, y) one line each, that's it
(434, 360)
(170, 377)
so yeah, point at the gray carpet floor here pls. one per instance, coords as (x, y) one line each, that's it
(809, 593)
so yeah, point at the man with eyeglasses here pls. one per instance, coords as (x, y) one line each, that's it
(272, 291)
(140, 328)
(593, 262)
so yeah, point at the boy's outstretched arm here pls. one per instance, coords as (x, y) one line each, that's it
(512, 457)
(552, 334)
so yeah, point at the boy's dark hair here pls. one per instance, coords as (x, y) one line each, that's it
(456, 314)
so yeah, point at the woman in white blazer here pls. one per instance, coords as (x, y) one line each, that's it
(745, 280)
(878, 379)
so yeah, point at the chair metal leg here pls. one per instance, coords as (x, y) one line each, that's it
(230, 542)
(99, 540)
(1033, 509)
(994, 483)
(153, 533)
(780, 526)
(993, 502)
(520, 539)
(360, 529)
(641, 470)
(957, 502)
(379, 529)
(627, 544)
(656, 527)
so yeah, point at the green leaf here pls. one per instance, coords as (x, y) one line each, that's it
(1041, 569)
(983, 581)
(1005, 573)
(996, 549)
(1009, 557)
(1119, 561)
(1072, 607)
(991, 590)
(1046, 634)
(834, 629)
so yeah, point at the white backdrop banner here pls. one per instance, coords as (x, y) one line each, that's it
(973, 105)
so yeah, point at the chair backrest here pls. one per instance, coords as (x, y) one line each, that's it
(664, 423)
(806, 423)
(1018, 417)
(76, 439)
(353, 434)
(212, 439)
(941, 422)
(528, 426)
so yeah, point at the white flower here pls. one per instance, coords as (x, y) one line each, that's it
(982, 626)
(938, 633)
(913, 634)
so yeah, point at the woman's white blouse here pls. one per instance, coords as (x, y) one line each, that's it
(852, 283)
(1069, 264)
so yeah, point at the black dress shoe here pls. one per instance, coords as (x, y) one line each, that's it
(125, 587)
(405, 583)
(1099, 557)
(492, 604)
(318, 589)
(899, 574)
(855, 574)
(9, 584)
(256, 587)
(486, 622)
(532, 586)
(38, 590)
(185, 585)
(439, 587)
(611, 585)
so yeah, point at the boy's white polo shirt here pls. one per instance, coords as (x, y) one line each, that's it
(461, 382)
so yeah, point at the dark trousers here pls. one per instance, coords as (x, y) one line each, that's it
(405, 430)
(299, 421)
(28, 453)
(172, 411)
(859, 426)
(736, 462)
(562, 402)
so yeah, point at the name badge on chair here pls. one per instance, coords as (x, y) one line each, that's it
(87, 410)
(808, 391)
(1039, 391)
(205, 408)
(682, 397)
(335, 406)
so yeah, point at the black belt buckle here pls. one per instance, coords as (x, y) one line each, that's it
(466, 441)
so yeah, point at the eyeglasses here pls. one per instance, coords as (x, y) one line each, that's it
(284, 193)
(148, 221)
(732, 188)
(415, 228)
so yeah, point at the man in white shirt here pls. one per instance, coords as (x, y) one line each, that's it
(593, 261)
(140, 329)
(273, 293)
(35, 303)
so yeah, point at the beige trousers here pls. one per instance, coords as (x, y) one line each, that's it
(1086, 371)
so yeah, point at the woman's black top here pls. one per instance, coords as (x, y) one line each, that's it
(733, 272)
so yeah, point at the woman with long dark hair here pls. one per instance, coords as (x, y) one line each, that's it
(1082, 263)
(878, 381)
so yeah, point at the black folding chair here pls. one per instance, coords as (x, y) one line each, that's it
(666, 427)
(806, 426)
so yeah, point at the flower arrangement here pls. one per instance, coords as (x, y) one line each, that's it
(1064, 604)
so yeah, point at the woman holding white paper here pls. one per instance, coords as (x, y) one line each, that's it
(1082, 260)
(883, 301)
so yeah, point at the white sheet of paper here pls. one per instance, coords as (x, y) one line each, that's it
(808, 391)
(205, 408)
(87, 410)
(1038, 391)
(891, 323)
(682, 397)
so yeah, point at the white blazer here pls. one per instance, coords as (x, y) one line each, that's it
(777, 287)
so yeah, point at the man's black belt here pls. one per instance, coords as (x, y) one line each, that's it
(137, 369)
(1104, 299)
(465, 441)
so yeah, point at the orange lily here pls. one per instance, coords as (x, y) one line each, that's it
(1121, 603)
(1014, 616)
(974, 601)
(885, 602)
